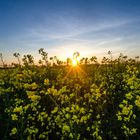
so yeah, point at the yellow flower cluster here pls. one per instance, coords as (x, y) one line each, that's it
(30, 93)
(14, 117)
(65, 128)
(84, 119)
(52, 91)
(126, 110)
(129, 96)
(46, 82)
(18, 109)
(13, 131)
(137, 101)
(32, 86)
(129, 131)
(20, 76)
(35, 97)
(54, 110)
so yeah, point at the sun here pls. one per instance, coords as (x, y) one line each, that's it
(74, 63)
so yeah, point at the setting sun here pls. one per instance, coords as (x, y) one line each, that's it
(74, 63)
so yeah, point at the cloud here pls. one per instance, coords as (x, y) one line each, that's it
(62, 28)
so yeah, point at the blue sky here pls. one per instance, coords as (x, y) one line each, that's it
(92, 27)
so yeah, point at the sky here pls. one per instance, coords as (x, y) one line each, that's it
(62, 27)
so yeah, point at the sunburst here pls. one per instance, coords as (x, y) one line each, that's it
(74, 63)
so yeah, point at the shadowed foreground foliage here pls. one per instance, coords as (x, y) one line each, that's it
(96, 101)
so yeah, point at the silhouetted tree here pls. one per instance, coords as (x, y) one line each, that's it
(93, 59)
(52, 59)
(111, 57)
(44, 55)
(40, 62)
(1, 57)
(82, 60)
(28, 59)
(86, 60)
(68, 61)
(76, 55)
(17, 55)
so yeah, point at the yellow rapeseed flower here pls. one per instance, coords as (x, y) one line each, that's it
(13, 131)
(34, 97)
(14, 117)
(17, 109)
(46, 82)
(65, 128)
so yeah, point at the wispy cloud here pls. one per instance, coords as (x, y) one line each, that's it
(62, 28)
